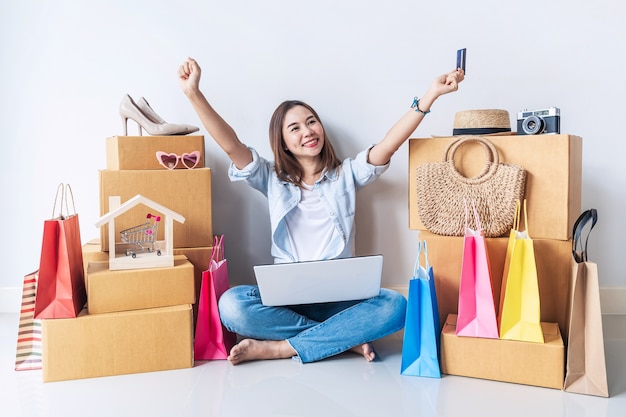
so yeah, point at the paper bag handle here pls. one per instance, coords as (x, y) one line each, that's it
(579, 249)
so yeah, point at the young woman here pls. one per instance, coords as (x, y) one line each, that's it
(311, 195)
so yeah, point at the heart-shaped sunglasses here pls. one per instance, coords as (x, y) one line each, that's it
(170, 160)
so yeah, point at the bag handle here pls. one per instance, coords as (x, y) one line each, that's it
(477, 223)
(518, 213)
(526, 220)
(421, 244)
(60, 189)
(65, 190)
(579, 225)
(218, 248)
(517, 220)
(491, 166)
(68, 191)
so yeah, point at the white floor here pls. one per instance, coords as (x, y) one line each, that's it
(342, 386)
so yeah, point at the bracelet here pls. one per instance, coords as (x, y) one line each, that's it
(415, 105)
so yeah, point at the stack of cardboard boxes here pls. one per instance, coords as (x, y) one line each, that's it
(553, 192)
(139, 320)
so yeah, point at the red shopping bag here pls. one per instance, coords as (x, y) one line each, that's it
(477, 312)
(61, 286)
(28, 350)
(212, 340)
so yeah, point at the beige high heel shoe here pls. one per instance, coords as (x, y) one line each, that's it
(129, 110)
(144, 106)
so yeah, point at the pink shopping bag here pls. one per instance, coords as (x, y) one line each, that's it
(477, 312)
(212, 340)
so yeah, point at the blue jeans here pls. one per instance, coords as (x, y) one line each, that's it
(314, 331)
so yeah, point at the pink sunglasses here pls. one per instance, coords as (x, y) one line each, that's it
(170, 160)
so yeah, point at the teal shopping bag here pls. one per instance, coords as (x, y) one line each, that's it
(421, 344)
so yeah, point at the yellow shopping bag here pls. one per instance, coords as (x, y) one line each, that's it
(520, 309)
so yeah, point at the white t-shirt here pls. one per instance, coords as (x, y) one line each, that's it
(309, 226)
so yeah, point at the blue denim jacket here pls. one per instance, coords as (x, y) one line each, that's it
(336, 188)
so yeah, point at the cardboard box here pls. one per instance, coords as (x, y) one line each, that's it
(185, 191)
(553, 164)
(200, 257)
(539, 364)
(117, 343)
(133, 289)
(92, 253)
(139, 152)
(552, 258)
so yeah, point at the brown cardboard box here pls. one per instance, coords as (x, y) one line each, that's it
(553, 164)
(185, 191)
(553, 272)
(133, 289)
(117, 343)
(200, 257)
(539, 364)
(92, 253)
(139, 152)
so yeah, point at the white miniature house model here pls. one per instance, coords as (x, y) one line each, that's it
(147, 252)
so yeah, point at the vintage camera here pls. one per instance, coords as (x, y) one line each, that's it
(539, 122)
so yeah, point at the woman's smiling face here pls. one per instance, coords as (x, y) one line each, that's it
(302, 132)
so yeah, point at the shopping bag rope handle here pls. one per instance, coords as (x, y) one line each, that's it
(64, 190)
(60, 189)
(517, 221)
(217, 254)
(579, 225)
(68, 191)
(421, 244)
(478, 225)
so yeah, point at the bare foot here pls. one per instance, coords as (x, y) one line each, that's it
(252, 349)
(366, 349)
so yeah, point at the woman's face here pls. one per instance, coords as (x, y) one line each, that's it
(302, 132)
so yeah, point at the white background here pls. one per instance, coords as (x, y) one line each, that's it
(65, 65)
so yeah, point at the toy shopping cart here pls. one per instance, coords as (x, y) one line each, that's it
(142, 236)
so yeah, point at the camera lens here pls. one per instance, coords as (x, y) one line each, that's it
(533, 125)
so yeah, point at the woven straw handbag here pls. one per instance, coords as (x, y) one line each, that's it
(441, 189)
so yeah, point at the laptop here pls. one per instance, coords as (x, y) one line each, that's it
(309, 282)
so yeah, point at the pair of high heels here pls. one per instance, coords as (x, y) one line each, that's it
(146, 118)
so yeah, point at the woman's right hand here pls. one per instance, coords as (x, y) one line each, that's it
(224, 135)
(189, 76)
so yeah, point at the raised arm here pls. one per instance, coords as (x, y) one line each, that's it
(223, 134)
(400, 132)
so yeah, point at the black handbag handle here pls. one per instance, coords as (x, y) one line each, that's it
(579, 248)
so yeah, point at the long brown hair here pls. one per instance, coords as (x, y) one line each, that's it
(286, 165)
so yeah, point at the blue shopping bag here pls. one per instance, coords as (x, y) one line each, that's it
(421, 344)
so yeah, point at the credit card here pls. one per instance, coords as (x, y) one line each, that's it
(460, 59)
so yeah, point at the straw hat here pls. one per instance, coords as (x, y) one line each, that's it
(482, 122)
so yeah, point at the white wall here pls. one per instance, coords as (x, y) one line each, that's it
(65, 65)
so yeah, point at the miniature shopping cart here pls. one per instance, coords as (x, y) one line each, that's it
(142, 236)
